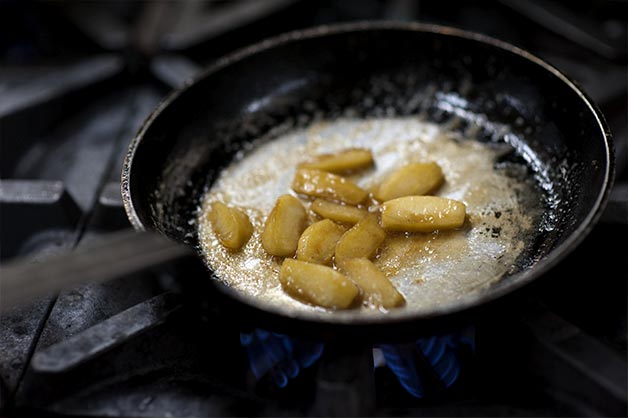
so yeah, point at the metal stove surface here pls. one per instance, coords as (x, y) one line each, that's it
(74, 95)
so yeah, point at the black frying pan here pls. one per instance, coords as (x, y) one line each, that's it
(197, 130)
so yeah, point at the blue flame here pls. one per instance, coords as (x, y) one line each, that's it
(400, 359)
(282, 358)
(441, 352)
(278, 356)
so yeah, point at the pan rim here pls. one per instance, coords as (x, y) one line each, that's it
(475, 299)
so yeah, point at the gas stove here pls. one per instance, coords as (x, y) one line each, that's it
(77, 81)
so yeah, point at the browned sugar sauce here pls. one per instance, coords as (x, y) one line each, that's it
(429, 269)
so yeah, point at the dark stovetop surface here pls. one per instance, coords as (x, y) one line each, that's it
(75, 93)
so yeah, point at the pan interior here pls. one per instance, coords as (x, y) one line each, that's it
(504, 209)
(465, 86)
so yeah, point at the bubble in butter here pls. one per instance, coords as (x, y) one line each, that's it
(430, 269)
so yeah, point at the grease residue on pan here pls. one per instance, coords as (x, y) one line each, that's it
(429, 269)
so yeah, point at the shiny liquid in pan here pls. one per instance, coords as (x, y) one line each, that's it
(429, 269)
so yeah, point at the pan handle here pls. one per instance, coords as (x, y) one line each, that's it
(114, 256)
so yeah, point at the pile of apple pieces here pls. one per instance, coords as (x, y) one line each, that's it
(328, 263)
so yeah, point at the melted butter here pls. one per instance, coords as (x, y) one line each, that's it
(428, 268)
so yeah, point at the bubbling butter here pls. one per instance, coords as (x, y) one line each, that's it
(429, 269)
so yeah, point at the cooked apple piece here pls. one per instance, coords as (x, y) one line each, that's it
(317, 284)
(376, 288)
(284, 226)
(362, 240)
(345, 161)
(318, 242)
(317, 183)
(411, 180)
(338, 212)
(232, 227)
(422, 214)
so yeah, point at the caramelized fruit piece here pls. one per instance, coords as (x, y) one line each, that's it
(362, 240)
(231, 225)
(422, 214)
(319, 285)
(318, 242)
(316, 183)
(410, 180)
(284, 226)
(338, 212)
(376, 288)
(346, 161)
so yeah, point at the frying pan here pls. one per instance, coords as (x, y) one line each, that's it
(373, 70)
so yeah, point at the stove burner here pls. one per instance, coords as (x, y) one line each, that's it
(278, 356)
(429, 365)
